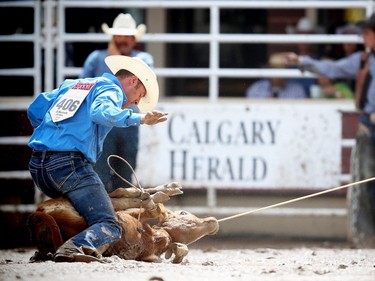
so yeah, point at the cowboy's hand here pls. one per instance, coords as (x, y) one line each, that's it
(291, 58)
(112, 49)
(154, 117)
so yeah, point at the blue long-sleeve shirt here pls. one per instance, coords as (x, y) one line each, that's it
(86, 130)
(344, 68)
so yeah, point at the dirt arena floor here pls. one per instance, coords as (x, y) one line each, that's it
(211, 259)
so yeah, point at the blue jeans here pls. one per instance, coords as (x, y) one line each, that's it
(70, 175)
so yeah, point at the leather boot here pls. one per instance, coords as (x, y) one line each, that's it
(68, 252)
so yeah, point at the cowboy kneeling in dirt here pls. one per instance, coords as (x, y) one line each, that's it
(70, 125)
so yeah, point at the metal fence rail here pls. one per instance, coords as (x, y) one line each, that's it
(34, 38)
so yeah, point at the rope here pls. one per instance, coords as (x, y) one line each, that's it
(139, 227)
(296, 199)
(248, 212)
(130, 167)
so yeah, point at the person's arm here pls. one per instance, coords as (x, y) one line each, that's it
(106, 110)
(39, 107)
(346, 67)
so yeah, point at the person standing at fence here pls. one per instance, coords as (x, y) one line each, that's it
(360, 66)
(120, 141)
(70, 125)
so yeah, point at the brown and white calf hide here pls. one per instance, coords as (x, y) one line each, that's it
(55, 221)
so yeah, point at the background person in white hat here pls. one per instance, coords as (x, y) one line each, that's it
(120, 141)
(70, 125)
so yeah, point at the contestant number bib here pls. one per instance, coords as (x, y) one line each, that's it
(70, 102)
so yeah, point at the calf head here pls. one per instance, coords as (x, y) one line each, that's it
(186, 228)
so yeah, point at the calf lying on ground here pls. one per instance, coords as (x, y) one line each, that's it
(55, 221)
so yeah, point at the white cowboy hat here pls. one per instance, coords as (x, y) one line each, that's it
(304, 25)
(143, 72)
(124, 24)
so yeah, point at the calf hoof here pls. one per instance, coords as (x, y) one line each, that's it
(179, 250)
(159, 197)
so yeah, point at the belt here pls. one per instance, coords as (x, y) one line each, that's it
(48, 153)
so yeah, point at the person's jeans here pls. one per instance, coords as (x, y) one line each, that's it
(69, 174)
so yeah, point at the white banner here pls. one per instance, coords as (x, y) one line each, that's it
(260, 145)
